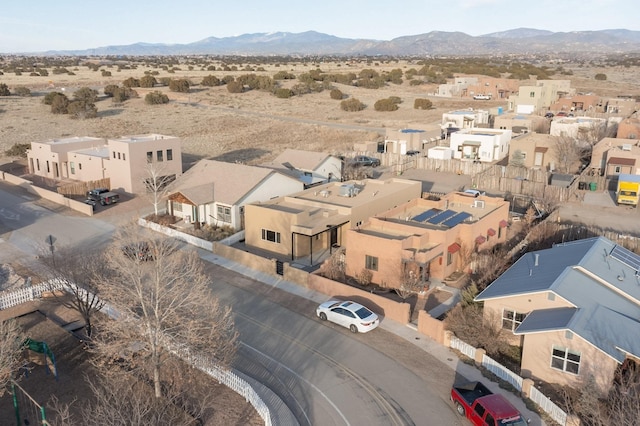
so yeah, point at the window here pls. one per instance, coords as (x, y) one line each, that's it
(511, 319)
(114, 155)
(80, 166)
(159, 155)
(499, 231)
(489, 420)
(449, 258)
(48, 167)
(177, 207)
(565, 359)
(149, 156)
(532, 94)
(73, 167)
(272, 236)
(479, 410)
(224, 213)
(617, 170)
(124, 156)
(371, 263)
(118, 156)
(169, 154)
(38, 164)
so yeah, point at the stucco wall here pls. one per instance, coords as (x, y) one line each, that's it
(431, 327)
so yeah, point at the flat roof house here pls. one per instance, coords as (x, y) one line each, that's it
(425, 239)
(52, 158)
(312, 222)
(485, 145)
(576, 307)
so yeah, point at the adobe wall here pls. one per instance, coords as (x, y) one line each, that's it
(431, 327)
(257, 263)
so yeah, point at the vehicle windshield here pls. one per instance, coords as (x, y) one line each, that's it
(513, 421)
(363, 313)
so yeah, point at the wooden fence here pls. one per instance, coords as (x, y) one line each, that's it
(81, 188)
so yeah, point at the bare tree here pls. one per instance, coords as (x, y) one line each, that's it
(11, 338)
(410, 282)
(156, 181)
(334, 267)
(478, 329)
(79, 273)
(163, 302)
(567, 152)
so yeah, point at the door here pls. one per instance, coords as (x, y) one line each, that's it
(333, 237)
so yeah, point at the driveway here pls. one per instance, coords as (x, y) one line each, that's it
(599, 209)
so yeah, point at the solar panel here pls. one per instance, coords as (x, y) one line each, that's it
(426, 215)
(441, 217)
(627, 257)
(457, 219)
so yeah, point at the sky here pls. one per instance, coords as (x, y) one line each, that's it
(43, 25)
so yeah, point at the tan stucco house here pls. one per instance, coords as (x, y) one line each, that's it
(309, 223)
(128, 161)
(612, 156)
(575, 308)
(310, 167)
(428, 239)
(521, 123)
(534, 99)
(484, 145)
(536, 151)
(215, 193)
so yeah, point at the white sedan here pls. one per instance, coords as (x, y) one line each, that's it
(348, 314)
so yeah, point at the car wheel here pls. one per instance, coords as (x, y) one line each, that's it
(353, 328)
(323, 316)
(102, 203)
(460, 409)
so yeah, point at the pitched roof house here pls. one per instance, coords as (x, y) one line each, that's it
(311, 168)
(215, 192)
(577, 308)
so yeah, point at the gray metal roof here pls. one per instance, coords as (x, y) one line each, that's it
(599, 278)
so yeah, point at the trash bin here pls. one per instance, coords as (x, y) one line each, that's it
(593, 186)
(582, 185)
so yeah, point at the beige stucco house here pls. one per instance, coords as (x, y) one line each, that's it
(534, 99)
(575, 309)
(312, 222)
(128, 161)
(310, 167)
(629, 127)
(582, 128)
(521, 123)
(580, 104)
(215, 193)
(623, 106)
(612, 156)
(55, 158)
(535, 151)
(465, 119)
(427, 239)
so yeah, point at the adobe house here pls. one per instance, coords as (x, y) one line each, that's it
(54, 158)
(612, 156)
(574, 308)
(309, 224)
(427, 238)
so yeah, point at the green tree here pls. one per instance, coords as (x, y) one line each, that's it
(59, 104)
(156, 98)
(86, 94)
(18, 150)
(179, 85)
(131, 82)
(283, 93)
(4, 90)
(352, 105)
(48, 98)
(422, 103)
(123, 93)
(148, 81)
(385, 105)
(82, 109)
(110, 89)
(235, 87)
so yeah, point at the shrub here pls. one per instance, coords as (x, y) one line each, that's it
(148, 81)
(18, 150)
(180, 85)
(422, 103)
(86, 94)
(131, 82)
(210, 81)
(601, 77)
(22, 91)
(336, 94)
(352, 105)
(4, 90)
(59, 104)
(48, 98)
(364, 277)
(110, 89)
(283, 93)
(156, 98)
(105, 73)
(82, 109)
(385, 105)
(235, 87)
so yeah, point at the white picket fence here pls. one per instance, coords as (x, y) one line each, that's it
(501, 371)
(548, 406)
(228, 378)
(516, 381)
(463, 347)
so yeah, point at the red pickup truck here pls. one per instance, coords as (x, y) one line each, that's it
(483, 408)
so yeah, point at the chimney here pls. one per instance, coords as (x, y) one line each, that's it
(536, 259)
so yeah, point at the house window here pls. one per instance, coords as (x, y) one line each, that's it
(73, 167)
(149, 156)
(159, 156)
(224, 213)
(79, 166)
(38, 164)
(499, 232)
(169, 154)
(371, 263)
(177, 207)
(449, 258)
(124, 156)
(272, 236)
(617, 170)
(565, 359)
(118, 156)
(511, 319)
(114, 154)
(532, 94)
(48, 167)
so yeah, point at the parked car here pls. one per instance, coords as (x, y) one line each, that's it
(561, 114)
(94, 194)
(413, 152)
(474, 192)
(363, 160)
(549, 114)
(348, 314)
(482, 407)
(107, 198)
(481, 97)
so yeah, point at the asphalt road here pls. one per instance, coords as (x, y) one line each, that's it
(324, 374)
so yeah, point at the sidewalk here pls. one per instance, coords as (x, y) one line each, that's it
(408, 332)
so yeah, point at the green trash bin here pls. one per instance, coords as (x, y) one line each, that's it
(593, 186)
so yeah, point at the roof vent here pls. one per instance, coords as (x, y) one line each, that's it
(626, 147)
(348, 190)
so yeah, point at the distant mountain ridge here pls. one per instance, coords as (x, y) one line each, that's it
(516, 41)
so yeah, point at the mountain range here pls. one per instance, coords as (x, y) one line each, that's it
(517, 41)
